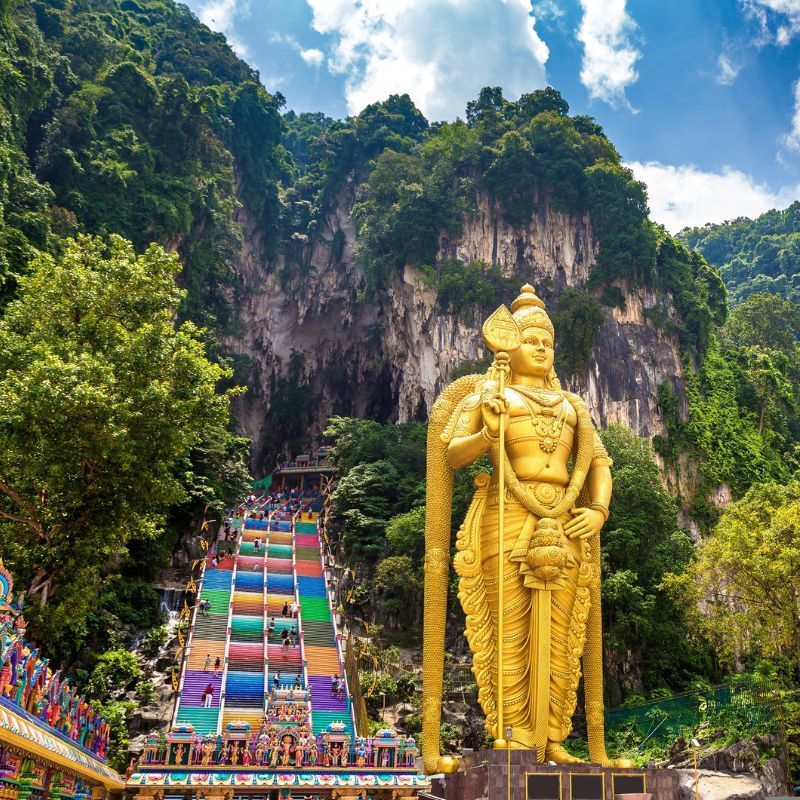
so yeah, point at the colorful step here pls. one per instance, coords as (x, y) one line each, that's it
(195, 682)
(315, 609)
(217, 578)
(201, 649)
(250, 582)
(204, 720)
(312, 587)
(213, 627)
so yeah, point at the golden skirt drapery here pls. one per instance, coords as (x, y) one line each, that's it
(544, 623)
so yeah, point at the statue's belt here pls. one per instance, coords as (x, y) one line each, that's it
(548, 494)
(541, 549)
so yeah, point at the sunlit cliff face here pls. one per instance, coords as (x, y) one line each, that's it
(534, 357)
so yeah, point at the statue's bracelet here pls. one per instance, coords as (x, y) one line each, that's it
(597, 506)
(488, 436)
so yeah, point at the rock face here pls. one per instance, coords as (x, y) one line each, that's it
(720, 786)
(736, 772)
(388, 356)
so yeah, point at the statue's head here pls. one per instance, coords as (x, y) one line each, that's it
(534, 357)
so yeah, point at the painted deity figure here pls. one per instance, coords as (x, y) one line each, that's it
(556, 490)
(312, 752)
(286, 750)
(300, 750)
(361, 752)
(411, 751)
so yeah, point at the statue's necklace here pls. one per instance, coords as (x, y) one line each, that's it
(547, 423)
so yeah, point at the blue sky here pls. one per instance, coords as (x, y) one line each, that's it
(701, 97)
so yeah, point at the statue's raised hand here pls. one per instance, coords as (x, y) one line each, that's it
(493, 404)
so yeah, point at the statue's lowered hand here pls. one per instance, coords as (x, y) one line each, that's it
(585, 522)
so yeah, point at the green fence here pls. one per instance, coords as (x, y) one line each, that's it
(754, 701)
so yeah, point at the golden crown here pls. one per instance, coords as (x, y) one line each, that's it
(528, 310)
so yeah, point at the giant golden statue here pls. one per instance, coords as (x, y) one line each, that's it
(540, 532)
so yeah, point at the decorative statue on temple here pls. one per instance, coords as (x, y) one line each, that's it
(536, 520)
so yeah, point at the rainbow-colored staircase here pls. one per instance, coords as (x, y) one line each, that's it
(245, 671)
(299, 738)
(276, 562)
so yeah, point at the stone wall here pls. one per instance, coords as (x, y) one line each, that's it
(490, 779)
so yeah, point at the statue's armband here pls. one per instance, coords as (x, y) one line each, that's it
(600, 457)
(462, 421)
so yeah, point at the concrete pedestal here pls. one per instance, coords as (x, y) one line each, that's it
(530, 780)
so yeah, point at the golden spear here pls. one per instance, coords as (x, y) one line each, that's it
(501, 334)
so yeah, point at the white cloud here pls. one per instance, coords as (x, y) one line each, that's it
(792, 139)
(609, 53)
(727, 69)
(684, 195)
(547, 9)
(441, 52)
(779, 20)
(312, 57)
(221, 16)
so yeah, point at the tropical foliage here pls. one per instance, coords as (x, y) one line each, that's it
(754, 256)
(104, 400)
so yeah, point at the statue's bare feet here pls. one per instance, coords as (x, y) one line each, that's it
(622, 763)
(556, 752)
(606, 761)
(447, 764)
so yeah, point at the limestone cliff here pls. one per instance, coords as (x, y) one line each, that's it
(388, 356)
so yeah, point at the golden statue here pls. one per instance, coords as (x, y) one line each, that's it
(541, 521)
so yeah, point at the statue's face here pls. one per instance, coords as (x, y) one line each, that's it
(535, 355)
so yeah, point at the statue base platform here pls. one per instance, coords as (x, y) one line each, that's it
(487, 774)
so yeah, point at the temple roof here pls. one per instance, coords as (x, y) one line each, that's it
(17, 730)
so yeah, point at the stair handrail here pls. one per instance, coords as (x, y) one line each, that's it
(336, 634)
(226, 652)
(187, 649)
(301, 639)
(265, 590)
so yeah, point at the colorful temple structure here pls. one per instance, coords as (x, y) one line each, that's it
(52, 741)
(264, 708)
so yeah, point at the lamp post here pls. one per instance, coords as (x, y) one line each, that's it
(509, 731)
(383, 712)
(695, 745)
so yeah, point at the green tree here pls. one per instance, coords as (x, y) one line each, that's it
(399, 579)
(642, 543)
(764, 331)
(512, 177)
(560, 158)
(539, 101)
(114, 672)
(405, 534)
(757, 256)
(102, 395)
(618, 210)
(747, 577)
